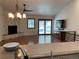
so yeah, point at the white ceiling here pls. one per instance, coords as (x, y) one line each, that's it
(39, 7)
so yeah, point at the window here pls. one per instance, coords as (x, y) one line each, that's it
(31, 23)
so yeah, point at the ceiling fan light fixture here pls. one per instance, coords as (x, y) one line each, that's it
(10, 15)
(24, 15)
(19, 15)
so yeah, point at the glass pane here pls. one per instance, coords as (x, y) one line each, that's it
(48, 27)
(30, 23)
(41, 27)
(48, 39)
(44, 39)
(41, 39)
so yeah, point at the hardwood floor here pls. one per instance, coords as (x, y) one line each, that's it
(26, 39)
(22, 40)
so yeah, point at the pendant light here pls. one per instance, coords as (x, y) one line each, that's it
(17, 14)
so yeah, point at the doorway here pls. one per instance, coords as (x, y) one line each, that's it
(45, 30)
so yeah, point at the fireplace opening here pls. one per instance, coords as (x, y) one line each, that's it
(12, 29)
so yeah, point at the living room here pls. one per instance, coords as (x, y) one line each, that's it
(44, 16)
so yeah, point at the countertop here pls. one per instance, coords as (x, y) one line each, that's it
(39, 50)
(6, 55)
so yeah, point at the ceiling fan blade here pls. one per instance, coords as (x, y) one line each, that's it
(25, 10)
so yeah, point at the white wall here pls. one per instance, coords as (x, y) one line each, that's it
(71, 14)
(1, 24)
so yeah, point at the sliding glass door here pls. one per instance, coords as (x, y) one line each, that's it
(45, 27)
(41, 27)
(48, 27)
(45, 31)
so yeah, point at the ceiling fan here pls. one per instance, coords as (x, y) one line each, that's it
(26, 10)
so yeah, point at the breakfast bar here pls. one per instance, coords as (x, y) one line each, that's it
(6, 55)
(64, 50)
(54, 50)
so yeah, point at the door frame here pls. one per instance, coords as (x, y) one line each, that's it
(45, 27)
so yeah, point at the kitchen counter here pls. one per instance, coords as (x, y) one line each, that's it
(54, 49)
(45, 50)
(6, 55)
